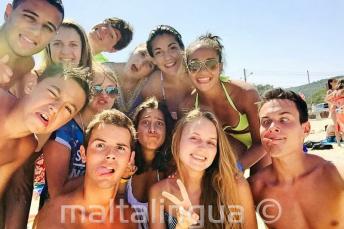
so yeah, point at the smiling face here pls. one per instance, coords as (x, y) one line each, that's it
(140, 64)
(204, 68)
(52, 103)
(103, 100)
(104, 37)
(167, 54)
(66, 47)
(280, 129)
(198, 144)
(151, 130)
(108, 154)
(31, 26)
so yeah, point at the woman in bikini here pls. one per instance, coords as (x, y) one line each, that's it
(170, 82)
(207, 190)
(152, 153)
(233, 102)
(132, 77)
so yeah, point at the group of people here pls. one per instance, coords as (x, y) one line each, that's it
(160, 141)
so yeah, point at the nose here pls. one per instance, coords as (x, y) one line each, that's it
(65, 49)
(274, 128)
(111, 155)
(152, 129)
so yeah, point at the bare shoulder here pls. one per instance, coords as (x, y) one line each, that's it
(243, 186)
(240, 88)
(259, 180)
(152, 87)
(327, 170)
(243, 86)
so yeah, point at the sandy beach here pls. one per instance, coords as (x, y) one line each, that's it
(335, 155)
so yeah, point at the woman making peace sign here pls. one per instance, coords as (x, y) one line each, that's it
(206, 166)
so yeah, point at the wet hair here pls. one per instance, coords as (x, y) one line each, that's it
(161, 30)
(219, 187)
(124, 28)
(112, 117)
(279, 93)
(86, 55)
(56, 3)
(163, 154)
(206, 41)
(80, 75)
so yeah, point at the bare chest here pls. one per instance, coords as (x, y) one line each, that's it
(307, 204)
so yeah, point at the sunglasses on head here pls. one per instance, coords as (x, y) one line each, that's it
(196, 65)
(110, 90)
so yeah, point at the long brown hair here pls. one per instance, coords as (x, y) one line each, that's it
(219, 186)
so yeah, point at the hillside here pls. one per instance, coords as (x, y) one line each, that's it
(310, 89)
(315, 91)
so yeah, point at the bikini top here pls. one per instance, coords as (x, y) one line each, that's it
(243, 124)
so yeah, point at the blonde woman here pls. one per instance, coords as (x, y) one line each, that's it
(207, 185)
(132, 75)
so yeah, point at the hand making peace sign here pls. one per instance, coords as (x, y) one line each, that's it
(185, 215)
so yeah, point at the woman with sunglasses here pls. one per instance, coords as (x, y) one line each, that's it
(232, 101)
(61, 153)
(132, 77)
(170, 83)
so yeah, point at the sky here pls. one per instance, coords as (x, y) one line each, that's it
(276, 41)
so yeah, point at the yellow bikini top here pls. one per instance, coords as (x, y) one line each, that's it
(243, 124)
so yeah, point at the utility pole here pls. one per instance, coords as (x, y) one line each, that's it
(245, 74)
(308, 77)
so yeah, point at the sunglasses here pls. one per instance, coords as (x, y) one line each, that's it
(196, 65)
(110, 90)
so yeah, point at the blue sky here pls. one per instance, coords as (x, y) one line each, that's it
(276, 40)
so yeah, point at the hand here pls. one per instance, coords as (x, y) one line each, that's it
(131, 168)
(6, 72)
(185, 215)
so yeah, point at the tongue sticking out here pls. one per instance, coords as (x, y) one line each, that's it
(104, 171)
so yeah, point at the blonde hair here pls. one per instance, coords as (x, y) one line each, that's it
(86, 55)
(219, 185)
